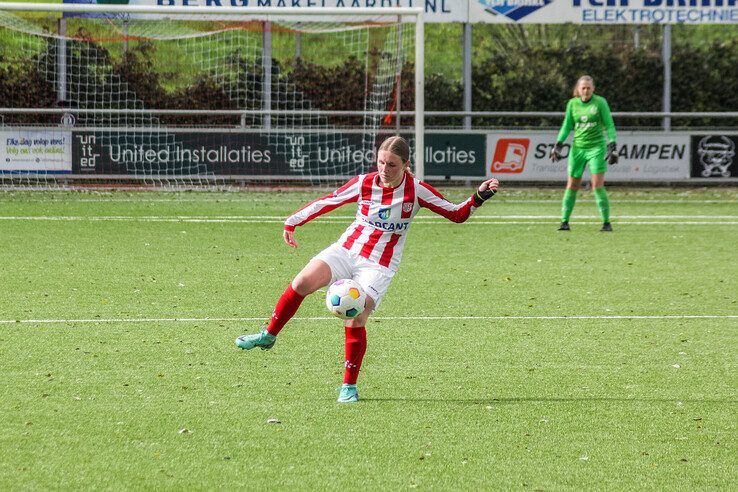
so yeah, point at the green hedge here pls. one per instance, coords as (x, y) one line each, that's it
(704, 78)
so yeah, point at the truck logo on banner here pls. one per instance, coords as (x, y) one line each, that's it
(715, 155)
(513, 9)
(510, 154)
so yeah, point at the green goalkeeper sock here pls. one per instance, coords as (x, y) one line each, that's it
(567, 204)
(603, 203)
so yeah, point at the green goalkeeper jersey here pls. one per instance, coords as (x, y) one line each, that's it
(588, 119)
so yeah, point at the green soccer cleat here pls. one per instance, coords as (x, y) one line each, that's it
(263, 339)
(348, 394)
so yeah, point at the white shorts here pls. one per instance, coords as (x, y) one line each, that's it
(373, 278)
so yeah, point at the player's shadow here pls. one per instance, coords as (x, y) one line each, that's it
(582, 399)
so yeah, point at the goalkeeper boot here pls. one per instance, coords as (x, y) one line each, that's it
(606, 227)
(263, 340)
(348, 394)
(564, 226)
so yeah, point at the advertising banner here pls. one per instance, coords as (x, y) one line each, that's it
(304, 154)
(604, 12)
(454, 154)
(713, 156)
(163, 152)
(35, 151)
(523, 156)
(435, 10)
(504, 11)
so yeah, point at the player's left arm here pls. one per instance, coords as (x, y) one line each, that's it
(607, 121)
(433, 200)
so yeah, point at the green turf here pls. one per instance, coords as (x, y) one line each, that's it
(463, 402)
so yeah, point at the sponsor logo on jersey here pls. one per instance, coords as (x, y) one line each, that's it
(384, 213)
(584, 126)
(510, 154)
(513, 9)
(388, 226)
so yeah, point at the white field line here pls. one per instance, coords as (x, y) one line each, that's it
(432, 222)
(349, 217)
(382, 318)
(177, 199)
(487, 220)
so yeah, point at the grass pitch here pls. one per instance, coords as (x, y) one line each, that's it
(506, 355)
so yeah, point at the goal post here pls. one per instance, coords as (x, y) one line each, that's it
(172, 96)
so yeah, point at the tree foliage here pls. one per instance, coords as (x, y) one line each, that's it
(523, 76)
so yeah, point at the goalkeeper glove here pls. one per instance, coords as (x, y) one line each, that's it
(485, 195)
(555, 154)
(612, 153)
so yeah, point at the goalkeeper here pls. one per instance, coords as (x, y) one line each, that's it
(587, 114)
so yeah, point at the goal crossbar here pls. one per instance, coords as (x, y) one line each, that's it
(164, 10)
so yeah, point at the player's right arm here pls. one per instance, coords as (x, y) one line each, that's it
(568, 124)
(566, 128)
(348, 193)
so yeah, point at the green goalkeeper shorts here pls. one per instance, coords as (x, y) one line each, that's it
(578, 158)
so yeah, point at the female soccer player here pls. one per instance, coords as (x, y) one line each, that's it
(587, 114)
(369, 251)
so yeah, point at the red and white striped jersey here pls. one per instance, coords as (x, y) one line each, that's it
(383, 215)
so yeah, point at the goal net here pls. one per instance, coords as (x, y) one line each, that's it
(199, 97)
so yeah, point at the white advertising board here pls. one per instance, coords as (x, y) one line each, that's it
(508, 11)
(523, 156)
(35, 151)
(435, 10)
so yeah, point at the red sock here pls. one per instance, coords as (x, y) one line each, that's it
(355, 350)
(285, 309)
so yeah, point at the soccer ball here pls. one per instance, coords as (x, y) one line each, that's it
(345, 299)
